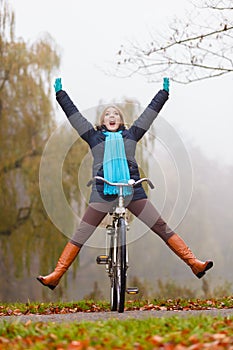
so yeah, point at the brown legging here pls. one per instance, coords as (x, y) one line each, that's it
(142, 208)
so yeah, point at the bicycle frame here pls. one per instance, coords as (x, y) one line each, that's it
(116, 258)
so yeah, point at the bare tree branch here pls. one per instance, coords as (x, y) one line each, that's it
(219, 5)
(192, 50)
(190, 39)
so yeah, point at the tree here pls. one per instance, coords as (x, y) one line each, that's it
(29, 241)
(25, 118)
(26, 121)
(197, 48)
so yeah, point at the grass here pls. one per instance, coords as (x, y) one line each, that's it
(164, 333)
(17, 309)
(170, 333)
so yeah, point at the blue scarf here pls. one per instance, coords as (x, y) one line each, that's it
(115, 164)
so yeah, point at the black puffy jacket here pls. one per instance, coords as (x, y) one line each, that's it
(96, 140)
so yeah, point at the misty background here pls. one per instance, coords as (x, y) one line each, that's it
(79, 45)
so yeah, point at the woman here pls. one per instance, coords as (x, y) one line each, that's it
(113, 148)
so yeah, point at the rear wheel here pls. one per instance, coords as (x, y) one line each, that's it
(121, 265)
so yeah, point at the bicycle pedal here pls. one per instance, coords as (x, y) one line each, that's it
(132, 290)
(102, 259)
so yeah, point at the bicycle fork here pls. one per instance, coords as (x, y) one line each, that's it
(110, 257)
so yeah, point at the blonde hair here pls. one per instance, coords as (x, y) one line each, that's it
(101, 119)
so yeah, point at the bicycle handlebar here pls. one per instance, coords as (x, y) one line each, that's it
(131, 182)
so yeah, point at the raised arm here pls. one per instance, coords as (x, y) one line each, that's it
(143, 123)
(76, 119)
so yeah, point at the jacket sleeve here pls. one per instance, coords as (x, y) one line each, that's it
(76, 119)
(143, 123)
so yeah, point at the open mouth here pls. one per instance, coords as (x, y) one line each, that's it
(112, 122)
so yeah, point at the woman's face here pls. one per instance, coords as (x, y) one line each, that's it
(112, 119)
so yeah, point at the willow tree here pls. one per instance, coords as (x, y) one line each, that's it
(25, 116)
(26, 121)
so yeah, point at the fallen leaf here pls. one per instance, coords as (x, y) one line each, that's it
(218, 336)
(155, 340)
(4, 340)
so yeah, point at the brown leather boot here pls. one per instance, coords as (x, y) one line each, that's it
(178, 246)
(67, 257)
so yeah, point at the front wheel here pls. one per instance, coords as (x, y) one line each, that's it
(113, 290)
(121, 267)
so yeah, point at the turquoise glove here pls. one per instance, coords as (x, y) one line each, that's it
(57, 85)
(166, 84)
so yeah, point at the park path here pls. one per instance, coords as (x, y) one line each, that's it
(97, 316)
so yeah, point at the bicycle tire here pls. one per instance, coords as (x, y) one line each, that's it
(121, 265)
(113, 290)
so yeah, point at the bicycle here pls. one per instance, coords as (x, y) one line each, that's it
(116, 257)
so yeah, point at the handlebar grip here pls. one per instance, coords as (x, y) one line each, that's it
(90, 183)
(150, 184)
